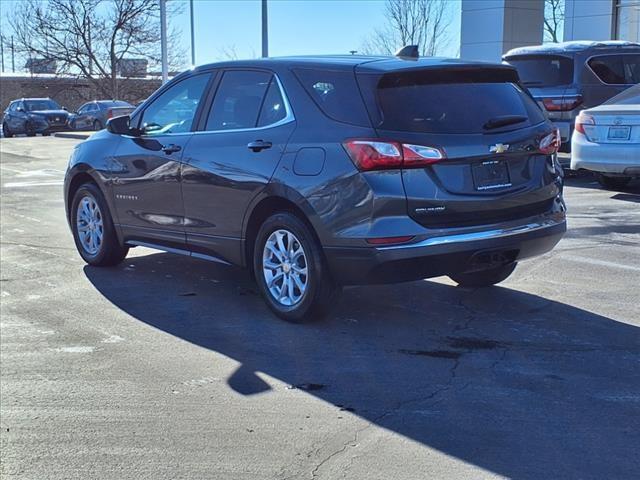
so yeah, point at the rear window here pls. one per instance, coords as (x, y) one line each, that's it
(336, 93)
(412, 103)
(544, 70)
(616, 69)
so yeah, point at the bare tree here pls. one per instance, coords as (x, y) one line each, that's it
(91, 38)
(412, 22)
(553, 19)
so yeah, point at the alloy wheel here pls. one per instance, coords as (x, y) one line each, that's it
(89, 225)
(284, 266)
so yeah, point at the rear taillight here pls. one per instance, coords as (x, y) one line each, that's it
(582, 120)
(550, 144)
(562, 104)
(109, 113)
(373, 154)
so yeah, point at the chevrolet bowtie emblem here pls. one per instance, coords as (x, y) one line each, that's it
(498, 148)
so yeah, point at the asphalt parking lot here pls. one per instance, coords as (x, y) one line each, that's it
(170, 367)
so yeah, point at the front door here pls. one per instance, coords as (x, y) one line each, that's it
(233, 159)
(146, 170)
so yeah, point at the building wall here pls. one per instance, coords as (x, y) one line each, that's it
(589, 20)
(69, 92)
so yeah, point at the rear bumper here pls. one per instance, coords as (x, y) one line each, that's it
(443, 255)
(605, 157)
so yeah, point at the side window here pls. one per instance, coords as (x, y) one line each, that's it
(273, 109)
(336, 93)
(238, 100)
(13, 107)
(617, 69)
(175, 109)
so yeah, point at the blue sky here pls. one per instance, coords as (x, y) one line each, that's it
(295, 26)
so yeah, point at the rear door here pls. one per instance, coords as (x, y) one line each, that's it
(490, 132)
(233, 158)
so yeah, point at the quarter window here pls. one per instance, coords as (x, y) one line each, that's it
(175, 109)
(616, 69)
(238, 103)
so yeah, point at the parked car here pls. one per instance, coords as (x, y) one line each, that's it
(606, 140)
(566, 78)
(33, 115)
(321, 172)
(94, 115)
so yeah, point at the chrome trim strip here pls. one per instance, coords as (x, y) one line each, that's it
(475, 236)
(178, 251)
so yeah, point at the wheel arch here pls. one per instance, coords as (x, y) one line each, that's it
(267, 205)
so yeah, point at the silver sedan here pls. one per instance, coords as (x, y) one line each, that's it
(606, 140)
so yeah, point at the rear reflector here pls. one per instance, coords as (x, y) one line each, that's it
(375, 154)
(563, 104)
(550, 144)
(389, 240)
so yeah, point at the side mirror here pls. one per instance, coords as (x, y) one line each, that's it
(120, 126)
(64, 108)
(19, 109)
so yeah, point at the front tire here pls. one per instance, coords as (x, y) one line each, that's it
(484, 278)
(613, 183)
(93, 229)
(6, 132)
(291, 271)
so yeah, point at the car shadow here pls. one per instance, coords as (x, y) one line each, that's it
(511, 382)
(584, 179)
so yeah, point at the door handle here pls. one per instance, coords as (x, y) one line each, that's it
(259, 145)
(171, 148)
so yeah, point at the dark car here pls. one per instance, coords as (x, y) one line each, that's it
(566, 78)
(34, 115)
(317, 172)
(94, 115)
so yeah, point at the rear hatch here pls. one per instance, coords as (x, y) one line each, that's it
(489, 131)
(549, 78)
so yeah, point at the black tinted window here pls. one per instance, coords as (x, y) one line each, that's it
(406, 103)
(616, 69)
(273, 108)
(238, 100)
(336, 93)
(543, 71)
(174, 110)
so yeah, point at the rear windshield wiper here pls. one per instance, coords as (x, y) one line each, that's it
(503, 121)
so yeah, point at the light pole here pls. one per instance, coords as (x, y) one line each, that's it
(193, 35)
(163, 40)
(265, 30)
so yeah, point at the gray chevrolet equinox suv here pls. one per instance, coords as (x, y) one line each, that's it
(318, 172)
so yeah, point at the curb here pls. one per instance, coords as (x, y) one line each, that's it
(76, 135)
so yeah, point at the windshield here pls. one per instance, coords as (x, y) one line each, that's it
(115, 103)
(543, 71)
(35, 105)
(630, 96)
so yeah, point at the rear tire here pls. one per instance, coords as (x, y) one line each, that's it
(284, 248)
(6, 132)
(613, 183)
(94, 233)
(484, 278)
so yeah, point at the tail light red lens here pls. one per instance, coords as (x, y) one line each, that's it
(582, 120)
(550, 144)
(374, 154)
(562, 104)
(109, 113)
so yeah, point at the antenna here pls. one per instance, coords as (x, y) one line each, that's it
(408, 51)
